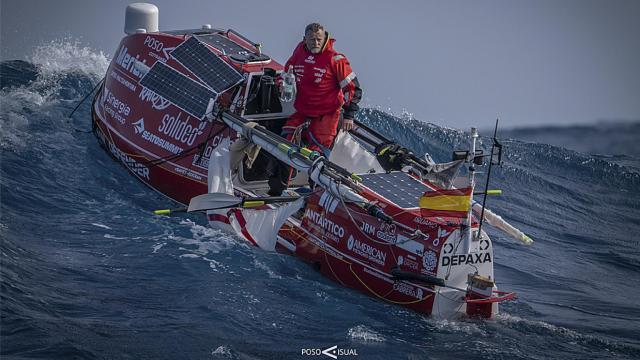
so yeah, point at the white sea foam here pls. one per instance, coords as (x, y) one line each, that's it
(223, 351)
(69, 56)
(113, 237)
(158, 246)
(365, 334)
(462, 326)
(266, 268)
(553, 329)
(216, 265)
(205, 239)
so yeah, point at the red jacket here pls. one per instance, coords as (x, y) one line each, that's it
(325, 81)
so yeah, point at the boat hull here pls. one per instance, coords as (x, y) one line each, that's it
(169, 150)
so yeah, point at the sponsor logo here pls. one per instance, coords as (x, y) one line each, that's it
(165, 54)
(127, 62)
(138, 127)
(408, 263)
(334, 230)
(179, 129)
(203, 162)
(299, 70)
(188, 173)
(423, 221)
(368, 228)
(153, 43)
(447, 248)
(387, 232)
(310, 59)
(157, 101)
(125, 82)
(157, 57)
(113, 106)
(429, 260)
(332, 352)
(133, 165)
(407, 289)
(466, 259)
(365, 250)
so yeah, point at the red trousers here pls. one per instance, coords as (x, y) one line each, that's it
(320, 133)
(317, 136)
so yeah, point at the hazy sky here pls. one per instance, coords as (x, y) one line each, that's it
(454, 63)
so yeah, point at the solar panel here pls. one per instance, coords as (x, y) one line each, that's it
(183, 92)
(206, 65)
(232, 49)
(397, 187)
(222, 43)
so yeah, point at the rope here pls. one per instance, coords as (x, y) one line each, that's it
(297, 133)
(86, 96)
(80, 103)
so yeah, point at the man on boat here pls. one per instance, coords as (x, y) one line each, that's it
(328, 91)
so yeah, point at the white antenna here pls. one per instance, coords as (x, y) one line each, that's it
(466, 245)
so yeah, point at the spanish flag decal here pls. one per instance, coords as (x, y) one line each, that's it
(453, 203)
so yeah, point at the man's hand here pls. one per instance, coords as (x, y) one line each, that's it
(347, 124)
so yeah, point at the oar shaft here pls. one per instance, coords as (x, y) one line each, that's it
(252, 203)
(170, 211)
(489, 192)
(497, 221)
(216, 201)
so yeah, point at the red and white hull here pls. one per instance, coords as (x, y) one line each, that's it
(169, 150)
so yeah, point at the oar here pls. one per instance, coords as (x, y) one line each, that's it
(497, 221)
(427, 279)
(216, 201)
(169, 211)
(489, 192)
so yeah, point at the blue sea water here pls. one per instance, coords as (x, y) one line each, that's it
(88, 273)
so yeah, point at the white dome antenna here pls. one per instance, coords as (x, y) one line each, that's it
(141, 16)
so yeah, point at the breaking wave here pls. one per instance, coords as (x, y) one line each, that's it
(88, 272)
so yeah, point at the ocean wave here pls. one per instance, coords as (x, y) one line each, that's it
(83, 257)
(42, 92)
